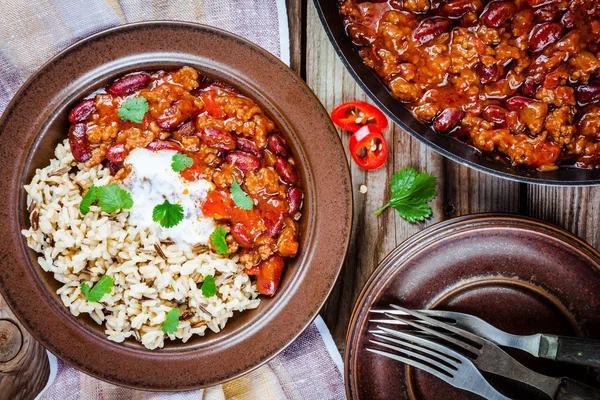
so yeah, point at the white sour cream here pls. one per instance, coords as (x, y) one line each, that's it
(151, 181)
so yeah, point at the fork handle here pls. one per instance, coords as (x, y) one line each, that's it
(578, 351)
(570, 389)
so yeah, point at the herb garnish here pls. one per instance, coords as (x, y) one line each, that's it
(102, 287)
(218, 240)
(171, 323)
(181, 162)
(110, 198)
(133, 109)
(168, 214)
(411, 191)
(209, 287)
(240, 198)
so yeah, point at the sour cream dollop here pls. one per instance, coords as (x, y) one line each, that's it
(151, 181)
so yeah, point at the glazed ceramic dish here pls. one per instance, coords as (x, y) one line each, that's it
(445, 144)
(36, 121)
(522, 275)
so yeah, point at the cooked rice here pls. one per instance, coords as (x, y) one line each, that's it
(78, 248)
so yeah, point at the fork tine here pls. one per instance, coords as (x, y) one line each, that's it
(413, 363)
(435, 322)
(448, 363)
(438, 334)
(419, 357)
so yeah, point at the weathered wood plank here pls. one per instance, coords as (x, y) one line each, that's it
(575, 209)
(373, 237)
(296, 24)
(469, 191)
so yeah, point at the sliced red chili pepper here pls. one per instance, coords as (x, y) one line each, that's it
(353, 115)
(368, 147)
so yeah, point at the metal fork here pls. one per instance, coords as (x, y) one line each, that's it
(490, 358)
(436, 359)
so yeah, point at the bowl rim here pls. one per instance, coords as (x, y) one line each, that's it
(345, 219)
(353, 70)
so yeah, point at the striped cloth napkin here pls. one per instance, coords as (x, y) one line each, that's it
(32, 32)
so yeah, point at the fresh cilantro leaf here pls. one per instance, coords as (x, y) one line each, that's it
(209, 287)
(133, 109)
(85, 289)
(411, 191)
(240, 198)
(102, 287)
(171, 323)
(112, 198)
(88, 199)
(218, 240)
(168, 214)
(181, 162)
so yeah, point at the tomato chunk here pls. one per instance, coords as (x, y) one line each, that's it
(269, 275)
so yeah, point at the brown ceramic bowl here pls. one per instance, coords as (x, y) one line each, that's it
(522, 275)
(36, 121)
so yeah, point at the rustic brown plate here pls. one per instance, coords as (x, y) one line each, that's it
(520, 274)
(36, 120)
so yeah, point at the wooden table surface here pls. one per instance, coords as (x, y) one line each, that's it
(24, 366)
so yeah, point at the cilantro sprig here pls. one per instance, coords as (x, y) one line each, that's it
(102, 287)
(168, 214)
(218, 240)
(209, 287)
(181, 162)
(411, 191)
(240, 198)
(133, 109)
(110, 198)
(171, 323)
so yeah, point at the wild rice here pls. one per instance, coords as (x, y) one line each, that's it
(149, 278)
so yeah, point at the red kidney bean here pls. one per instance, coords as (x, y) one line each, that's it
(568, 19)
(163, 145)
(116, 153)
(448, 119)
(546, 13)
(516, 103)
(539, 3)
(248, 146)
(431, 27)
(78, 140)
(286, 171)
(81, 111)
(205, 82)
(498, 12)
(274, 227)
(458, 8)
(176, 114)
(277, 145)
(241, 236)
(529, 88)
(111, 167)
(294, 197)
(218, 138)
(243, 161)
(495, 114)
(588, 93)
(360, 34)
(129, 83)
(490, 73)
(544, 35)
(186, 129)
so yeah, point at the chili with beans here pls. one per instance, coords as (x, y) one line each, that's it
(515, 78)
(228, 137)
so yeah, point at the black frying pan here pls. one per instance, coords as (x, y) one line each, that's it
(446, 145)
